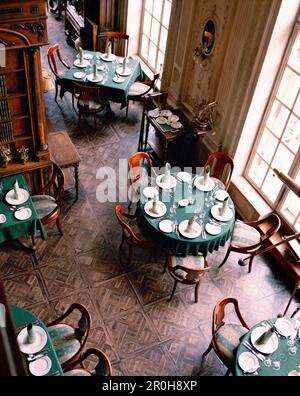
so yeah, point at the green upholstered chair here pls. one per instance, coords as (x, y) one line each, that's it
(188, 270)
(102, 367)
(248, 237)
(226, 336)
(68, 340)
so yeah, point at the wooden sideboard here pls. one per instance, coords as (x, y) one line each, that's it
(23, 30)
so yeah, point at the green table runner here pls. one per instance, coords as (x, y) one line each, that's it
(21, 318)
(287, 362)
(13, 228)
(178, 244)
(115, 92)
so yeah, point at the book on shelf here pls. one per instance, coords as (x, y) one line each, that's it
(3, 88)
(6, 132)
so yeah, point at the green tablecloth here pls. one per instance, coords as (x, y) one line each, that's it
(13, 228)
(21, 318)
(287, 363)
(111, 90)
(179, 244)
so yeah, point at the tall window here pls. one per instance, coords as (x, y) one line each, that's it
(154, 34)
(278, 142)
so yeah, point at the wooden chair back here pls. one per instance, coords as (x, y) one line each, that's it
(135, 167)
(120, 42)
(103, 367)
(128, 232)
(54, 53)
(221, 167)
(55, 185)
(86, 93)
(201, 272)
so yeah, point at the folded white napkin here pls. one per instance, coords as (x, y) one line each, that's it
(223, 208)
(155, 204)
(17, 190)
(94, 71)
(80, 55)
(124, 65)
(30, 334)
(108, 55)
(166, 178)
(264, 338)
(206, 175)
(190, 226)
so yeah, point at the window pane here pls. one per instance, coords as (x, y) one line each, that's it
(147, 24)
(149, 5)
(277, 118)
(271, 186)
(160, 61)
(294, 60)
(267, 146)
(283, 159)
(258, 170)
(154, 31)
(297, 107)
(152, 54)
(157, 9)
(291, 135)
(291, 207)
(163, 39)
(167, 14)
(145, 46)
(289, 87)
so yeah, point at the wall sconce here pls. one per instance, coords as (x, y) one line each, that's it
(207, 43)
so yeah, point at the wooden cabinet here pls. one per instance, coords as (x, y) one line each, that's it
(23, 30)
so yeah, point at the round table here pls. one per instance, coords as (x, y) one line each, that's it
(21, 318)
(287, 362)
(178, 244)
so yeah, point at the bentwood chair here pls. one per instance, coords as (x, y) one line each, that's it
(101, 369)
(188, 270)
(48, 207)
(68, 340)
(119, 41)
(89, 100)
(138, 90)
(226, 336)
(54, 56)
(248, 237)
(221, 167)
(139, 168)
(131, 233)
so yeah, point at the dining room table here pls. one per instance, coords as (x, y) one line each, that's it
(18, 217)
(114, 84)
(44, 360)
(186, 200)
(274, 355)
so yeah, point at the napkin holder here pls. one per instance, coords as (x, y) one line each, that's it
(16, 190)
(264, 338)
(224, 206)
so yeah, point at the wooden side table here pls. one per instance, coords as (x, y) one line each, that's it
(64, 153)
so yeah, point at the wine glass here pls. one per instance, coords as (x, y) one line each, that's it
(173, 209)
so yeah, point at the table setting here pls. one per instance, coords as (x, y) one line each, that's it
(176, 214)
(271, 347)
(165, 120)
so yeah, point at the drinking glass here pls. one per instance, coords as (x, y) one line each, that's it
(173, 209)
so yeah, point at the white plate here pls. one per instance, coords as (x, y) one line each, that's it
(110, 59)
(40, 366)
(248, 362)
(284, 326)
(154, 113)
(183, 226)
(184, 176)
(161, 120)
(79, 75)
(198, 183)
(166, 226)
(124, 73)
(88, 56)
(270, 346)
(183, 203)
(215, 211)
(220, 195)
(149, 192)
(162, 209)
(173, 118)
(166, 113)
(176, 125)
(98, 78)
(118, 80)
(213, 229)
(172, 182)
(2, 218)
(101, 67)
(38, 344)
(23, 214)
(84, 63)
(23, 197)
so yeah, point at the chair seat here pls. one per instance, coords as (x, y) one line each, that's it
(64, 340)
(228, 338)
(189, 262)
(91, 104)
(77, 373)
(135, 228)
(244, 235)
(138, 89)
(43, 204)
